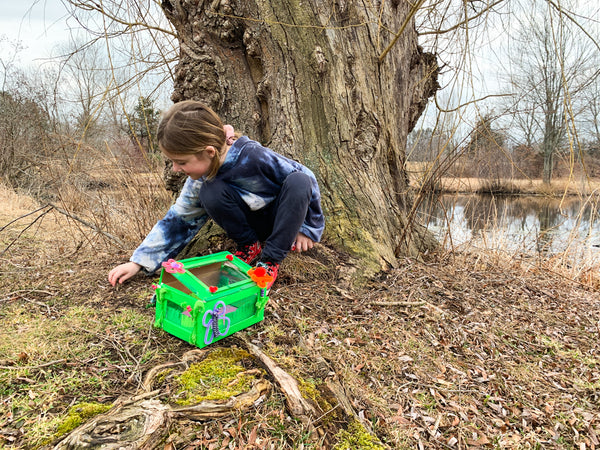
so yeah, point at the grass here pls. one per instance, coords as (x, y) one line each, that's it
(64, 340)
(77, 353)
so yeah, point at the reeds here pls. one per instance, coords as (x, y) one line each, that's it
(108, 191)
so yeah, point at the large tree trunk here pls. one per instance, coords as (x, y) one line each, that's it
(305, 78)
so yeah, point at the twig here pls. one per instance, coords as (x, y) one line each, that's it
(39, 366)
(399, 303)
(37, 303)
(407, 20)
(88, 224)
(24, 229)
(50, 207)
(323, 415)
(17, 293)
(20, 217)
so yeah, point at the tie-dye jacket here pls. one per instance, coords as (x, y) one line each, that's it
(256, 172)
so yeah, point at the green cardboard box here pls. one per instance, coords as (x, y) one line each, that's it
(205, 299)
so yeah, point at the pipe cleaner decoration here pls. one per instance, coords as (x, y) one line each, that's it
(188, 311)
(260, 276)
(172, 266)
(211, 321)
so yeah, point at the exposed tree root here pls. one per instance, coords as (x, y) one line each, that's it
(143, 421)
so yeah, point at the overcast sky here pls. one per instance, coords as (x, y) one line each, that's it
(39, 25)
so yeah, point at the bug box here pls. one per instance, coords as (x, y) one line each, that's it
(202, 300)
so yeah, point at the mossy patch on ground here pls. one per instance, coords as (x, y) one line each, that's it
(219, 376)
(356, 436)
(79, 414)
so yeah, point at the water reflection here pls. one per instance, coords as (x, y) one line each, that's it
(519, 224)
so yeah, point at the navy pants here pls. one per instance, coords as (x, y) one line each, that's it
(277, 224)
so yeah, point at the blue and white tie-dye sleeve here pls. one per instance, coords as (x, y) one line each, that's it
(171, 234)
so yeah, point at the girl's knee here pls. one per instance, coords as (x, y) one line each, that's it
(214, 193)
(299, 183)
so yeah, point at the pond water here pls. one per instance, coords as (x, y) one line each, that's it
(532, 225)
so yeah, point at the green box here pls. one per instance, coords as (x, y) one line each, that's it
(191, 293)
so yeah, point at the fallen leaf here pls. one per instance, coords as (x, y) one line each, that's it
(252, 437)
(481, 441)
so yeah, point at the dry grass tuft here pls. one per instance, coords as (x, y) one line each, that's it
(13, 204)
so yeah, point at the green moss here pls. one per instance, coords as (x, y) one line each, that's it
(309, 389)
(323, 398)
(162, 376)
(356, 437)
(80, 413)
(217, 377)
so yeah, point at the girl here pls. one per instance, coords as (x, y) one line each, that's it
(253, 193)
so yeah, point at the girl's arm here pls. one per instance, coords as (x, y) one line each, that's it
(172, 233)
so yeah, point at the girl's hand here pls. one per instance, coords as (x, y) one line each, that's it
(229, 134)
(123, 272)
(303, 243)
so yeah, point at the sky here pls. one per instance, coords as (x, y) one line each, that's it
(39, 25)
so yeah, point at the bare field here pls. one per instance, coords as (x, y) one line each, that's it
(575, 185)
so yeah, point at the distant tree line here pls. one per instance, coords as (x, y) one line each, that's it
(42, 123)
(492, 153)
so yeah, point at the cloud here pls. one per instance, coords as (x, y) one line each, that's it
(37, 26)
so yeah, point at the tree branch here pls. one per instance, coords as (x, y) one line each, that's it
(464, 22)
(88, 224)
(411, 14)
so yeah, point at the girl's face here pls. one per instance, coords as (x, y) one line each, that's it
(194, 166)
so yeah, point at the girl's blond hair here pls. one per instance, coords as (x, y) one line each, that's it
(188, 127)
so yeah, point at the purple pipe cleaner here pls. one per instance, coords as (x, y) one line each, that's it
(211, 321)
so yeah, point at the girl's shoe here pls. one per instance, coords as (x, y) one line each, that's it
(248, 252)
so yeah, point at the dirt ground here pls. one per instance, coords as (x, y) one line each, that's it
(458, 351)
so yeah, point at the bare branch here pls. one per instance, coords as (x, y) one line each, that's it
(407, 20)
(463, 23)
(129, 26)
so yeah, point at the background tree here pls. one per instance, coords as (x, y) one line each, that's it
(552, 67)
(142, 124)
(591, 118)
(485, 153)
(88, 79)
(429, 145)
(23, 125)
(25, 122)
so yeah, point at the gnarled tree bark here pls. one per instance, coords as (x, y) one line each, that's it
(305, 78)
